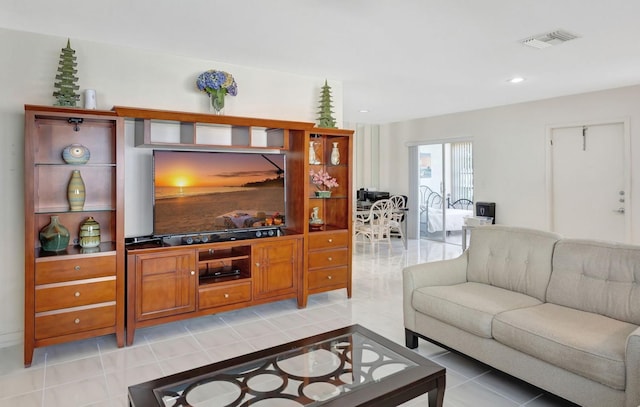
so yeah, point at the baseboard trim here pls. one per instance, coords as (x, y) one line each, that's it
(11, 339)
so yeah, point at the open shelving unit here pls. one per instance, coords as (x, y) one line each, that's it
(328, 248)
(224, 264)
(184, 130)
(75, 293)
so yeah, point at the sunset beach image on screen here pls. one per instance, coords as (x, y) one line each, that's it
(202, 191)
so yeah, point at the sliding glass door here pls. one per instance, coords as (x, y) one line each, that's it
(445, 189)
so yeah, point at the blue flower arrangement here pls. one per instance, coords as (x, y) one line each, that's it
(217, 84)
(212, 80)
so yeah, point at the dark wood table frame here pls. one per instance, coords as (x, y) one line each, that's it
(421, 376)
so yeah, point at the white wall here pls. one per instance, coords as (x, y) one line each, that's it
(509, 149)
(125, 77)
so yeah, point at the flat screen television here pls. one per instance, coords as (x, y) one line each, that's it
(202, 191)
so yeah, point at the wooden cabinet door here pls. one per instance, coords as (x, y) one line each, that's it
(165, 283)
(275, 268)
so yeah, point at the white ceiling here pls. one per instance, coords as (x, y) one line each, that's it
(400, 59)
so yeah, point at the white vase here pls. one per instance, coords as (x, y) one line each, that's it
(335, 154)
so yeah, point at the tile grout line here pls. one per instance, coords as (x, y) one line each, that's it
(104, 372)
(44, 377)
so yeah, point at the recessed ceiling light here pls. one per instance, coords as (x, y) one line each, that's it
(516, 79)
(364, 111)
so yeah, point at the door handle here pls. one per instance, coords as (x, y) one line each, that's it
(619, 210)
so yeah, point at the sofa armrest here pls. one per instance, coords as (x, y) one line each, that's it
(632, 362)
(444, 272)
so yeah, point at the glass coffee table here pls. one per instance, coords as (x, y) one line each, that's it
(351, 366)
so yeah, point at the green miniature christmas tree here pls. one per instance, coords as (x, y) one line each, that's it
(66, 85)
(326, 120)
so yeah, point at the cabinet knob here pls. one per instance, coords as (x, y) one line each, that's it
(257, 264)
(226, 296)
(77, 320)
(77, 268)
(329, 277)
(77, 294)
(330, 240)
(193, 273)
(330, 258)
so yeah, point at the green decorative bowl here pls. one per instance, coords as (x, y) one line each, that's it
(323, 194)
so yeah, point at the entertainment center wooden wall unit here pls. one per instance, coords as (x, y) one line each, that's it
(167, 283)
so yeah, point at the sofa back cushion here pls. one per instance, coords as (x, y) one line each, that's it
(599, 277)
(512, 258)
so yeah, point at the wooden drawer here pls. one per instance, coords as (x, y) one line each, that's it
(67, 295)
(54, 271)
(325, 240)
(328, 258)
(53, 324)
(328, 277)
(217, 295)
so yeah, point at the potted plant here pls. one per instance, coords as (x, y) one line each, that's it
(324, 182)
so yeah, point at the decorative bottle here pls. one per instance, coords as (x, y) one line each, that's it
(54, 237)
(75, 191)
(90, 233)
(335, 154)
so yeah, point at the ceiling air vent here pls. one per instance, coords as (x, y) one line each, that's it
(549, 39)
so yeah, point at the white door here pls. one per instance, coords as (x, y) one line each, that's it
(588, 177)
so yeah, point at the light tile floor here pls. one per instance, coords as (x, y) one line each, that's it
(96, 373)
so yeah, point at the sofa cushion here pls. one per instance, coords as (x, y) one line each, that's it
(468, 306)
(598, 277)
(584, 343)
(516, 259)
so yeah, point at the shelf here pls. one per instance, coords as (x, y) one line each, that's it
(188, 117)
(327, 228)
(65, 210)
(224, 253)
(208, 280)
(185, 130)
(330, 197)
(222, 259)
(74, 251)
(87, 165)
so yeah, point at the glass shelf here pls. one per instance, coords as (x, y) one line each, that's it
(65, 209)
(105, 247)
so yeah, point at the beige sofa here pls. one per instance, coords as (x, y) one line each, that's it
(561, 314)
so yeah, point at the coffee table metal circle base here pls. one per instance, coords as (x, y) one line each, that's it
(349, 366)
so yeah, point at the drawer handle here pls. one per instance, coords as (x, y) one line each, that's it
(77, 268)
(77, 294)
(330, 258)
(226, 296)
(329, 277)
(77, 320)
(330, 240)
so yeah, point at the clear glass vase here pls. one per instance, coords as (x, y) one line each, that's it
(217, 101)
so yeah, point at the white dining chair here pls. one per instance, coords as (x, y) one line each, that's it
(375, 225)
(398, 205)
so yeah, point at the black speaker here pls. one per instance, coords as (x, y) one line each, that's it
(486, 209)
